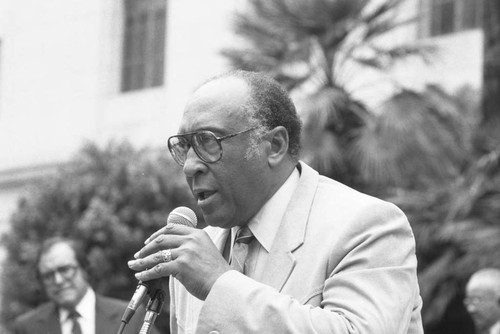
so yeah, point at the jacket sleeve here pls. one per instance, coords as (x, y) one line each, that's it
(370, 286)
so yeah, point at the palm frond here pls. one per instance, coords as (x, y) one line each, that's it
(410, 144)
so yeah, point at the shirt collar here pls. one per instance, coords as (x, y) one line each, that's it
(264, 225)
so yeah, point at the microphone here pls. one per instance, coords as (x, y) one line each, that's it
(182, 216)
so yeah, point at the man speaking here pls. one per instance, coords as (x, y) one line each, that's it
(286, 250)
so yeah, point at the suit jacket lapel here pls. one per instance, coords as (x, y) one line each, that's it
(292, 230)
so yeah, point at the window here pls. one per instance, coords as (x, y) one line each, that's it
(441, 17)
(144, 44)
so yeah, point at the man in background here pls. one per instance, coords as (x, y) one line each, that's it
(74, 307)
(286, 250)
(482, 300)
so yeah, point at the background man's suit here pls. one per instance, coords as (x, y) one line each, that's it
(45, 318)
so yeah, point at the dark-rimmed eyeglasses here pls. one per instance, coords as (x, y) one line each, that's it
(66, 272)
(205, 144)
(475, 301)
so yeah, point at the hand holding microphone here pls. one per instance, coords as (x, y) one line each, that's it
(182, 216)
(186, 253)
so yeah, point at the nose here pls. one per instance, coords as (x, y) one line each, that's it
(193, 164)
(58, 278)
(471, 308)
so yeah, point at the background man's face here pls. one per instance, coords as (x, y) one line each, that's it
(62, 276)
(482, 303)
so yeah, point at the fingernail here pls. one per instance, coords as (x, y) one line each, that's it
(138, 276)
(136, 255)
(147, 241)
(131, 263)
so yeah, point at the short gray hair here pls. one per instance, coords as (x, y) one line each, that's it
(270, 104)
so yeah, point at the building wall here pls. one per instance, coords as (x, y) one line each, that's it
(457, 60)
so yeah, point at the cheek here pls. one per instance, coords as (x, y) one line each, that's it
(247, 187)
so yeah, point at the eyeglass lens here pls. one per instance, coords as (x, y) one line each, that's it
(204, 143)
(66, 272)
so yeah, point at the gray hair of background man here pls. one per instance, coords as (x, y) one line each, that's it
(270, 105)
(490, 276)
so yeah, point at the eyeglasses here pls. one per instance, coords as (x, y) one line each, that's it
(66, 272)
(206, 145)
(474, 301)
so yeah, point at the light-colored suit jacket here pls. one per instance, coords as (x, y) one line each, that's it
(45, 318)
(342, 262)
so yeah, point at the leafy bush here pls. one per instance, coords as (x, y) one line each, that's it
(112, 199)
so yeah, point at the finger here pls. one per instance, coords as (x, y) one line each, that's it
(158, 271)
(161, 242)
(170, 228)
(151, 261)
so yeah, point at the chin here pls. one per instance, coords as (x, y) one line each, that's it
(67, 300)
(217, 220)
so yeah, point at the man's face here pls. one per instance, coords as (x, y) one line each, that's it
(482, 303)
(62, 276)
(231, 190)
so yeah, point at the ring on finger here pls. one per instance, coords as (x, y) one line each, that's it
(166, 255)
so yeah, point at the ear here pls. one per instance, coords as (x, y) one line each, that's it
(278, 148)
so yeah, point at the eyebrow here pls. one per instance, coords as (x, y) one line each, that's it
(216, 131)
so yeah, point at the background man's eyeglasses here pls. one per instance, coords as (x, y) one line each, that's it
(474, 301)
(66, 272)
(206, 145)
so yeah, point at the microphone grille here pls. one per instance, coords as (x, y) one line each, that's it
(183, 216)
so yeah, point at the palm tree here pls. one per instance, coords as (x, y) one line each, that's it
(313, 48)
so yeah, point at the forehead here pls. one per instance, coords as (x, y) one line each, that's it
(59, 254)
(217, 104)
(481, 286)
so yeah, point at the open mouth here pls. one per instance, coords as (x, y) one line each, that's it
(203, 195)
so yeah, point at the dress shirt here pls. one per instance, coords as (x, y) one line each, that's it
(264, 226)
(495, 329)
(86, 309)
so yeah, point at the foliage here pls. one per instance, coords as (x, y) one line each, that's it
(457, 228)
(111, 199)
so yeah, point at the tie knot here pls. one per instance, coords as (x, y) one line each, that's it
(244, 235)
(73, 314)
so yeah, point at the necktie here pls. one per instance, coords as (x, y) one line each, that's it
(240, 248)
(73, 316)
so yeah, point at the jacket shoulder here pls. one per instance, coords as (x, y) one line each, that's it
(41, 311)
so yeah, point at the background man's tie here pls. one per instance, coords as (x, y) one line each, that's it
(73, 315)
(240, 248)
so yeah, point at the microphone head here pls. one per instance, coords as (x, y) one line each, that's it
(183, 216)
